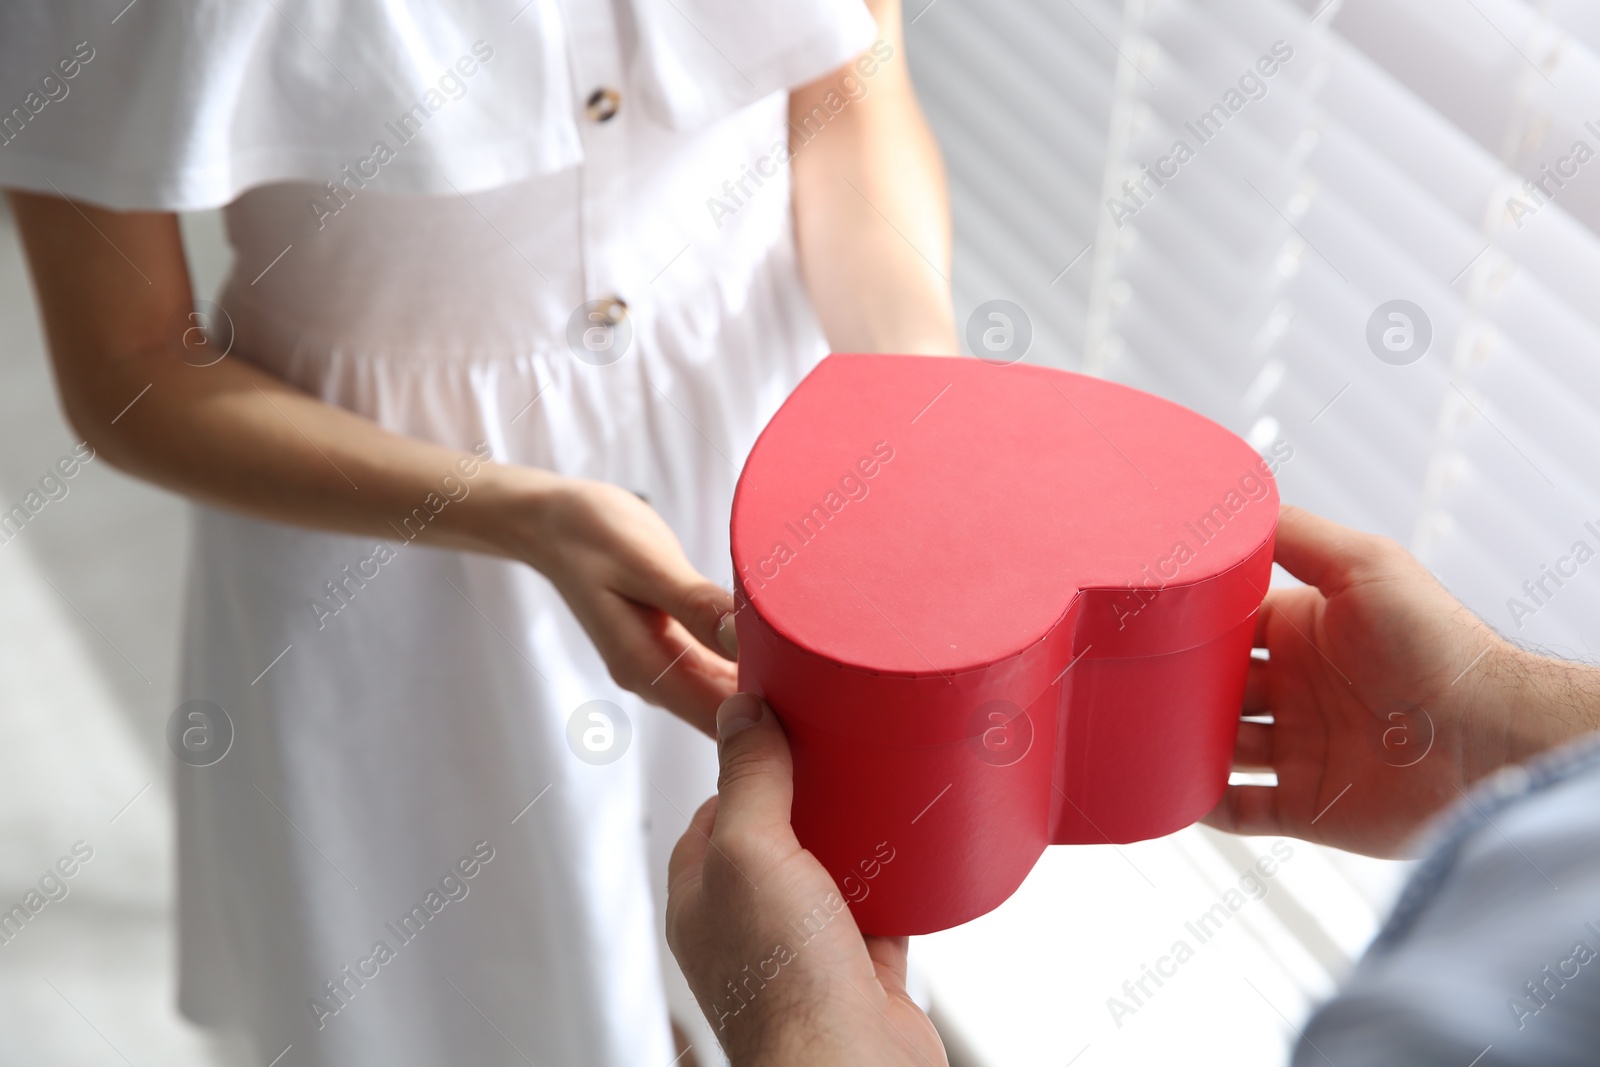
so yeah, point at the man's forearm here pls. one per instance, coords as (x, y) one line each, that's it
(1548, 702)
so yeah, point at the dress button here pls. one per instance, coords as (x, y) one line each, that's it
(611, 310)
(603, 105)
(598, 332)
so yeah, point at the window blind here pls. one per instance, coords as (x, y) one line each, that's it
(1444, 153)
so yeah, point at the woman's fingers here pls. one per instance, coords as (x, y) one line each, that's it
(670, 584)
(702, 606)
(693, 686)
(648, 567)
(653, 656)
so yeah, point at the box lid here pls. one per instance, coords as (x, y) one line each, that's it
(927, 517)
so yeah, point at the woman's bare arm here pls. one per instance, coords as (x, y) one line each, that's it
(113, 289)
(872, 214)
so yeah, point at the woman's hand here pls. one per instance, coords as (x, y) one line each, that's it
(229, 434)
(654, 619)
(1388, 697)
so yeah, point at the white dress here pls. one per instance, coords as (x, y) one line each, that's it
(362, 879)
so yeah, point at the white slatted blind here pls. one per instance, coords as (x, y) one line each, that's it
(1386, 160)
(1379, 166)
(1020, 95)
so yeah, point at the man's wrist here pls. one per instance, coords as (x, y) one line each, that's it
(779, 1028)
(1544, 702)
(1568, 695)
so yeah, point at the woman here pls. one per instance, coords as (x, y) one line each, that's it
(515, 287)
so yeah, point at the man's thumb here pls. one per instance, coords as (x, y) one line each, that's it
(756, 785)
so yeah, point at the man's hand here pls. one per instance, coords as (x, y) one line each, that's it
(764, 935)
(1388, 697)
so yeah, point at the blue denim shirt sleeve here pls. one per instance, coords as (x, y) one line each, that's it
(1492, 954)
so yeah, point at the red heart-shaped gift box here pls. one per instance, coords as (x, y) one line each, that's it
(995, 608)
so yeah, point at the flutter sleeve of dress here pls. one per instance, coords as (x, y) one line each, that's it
(184, 105)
